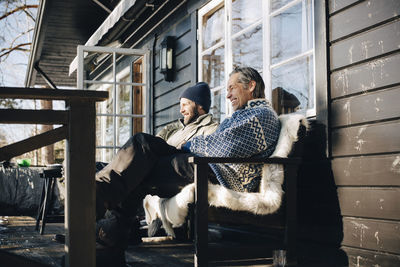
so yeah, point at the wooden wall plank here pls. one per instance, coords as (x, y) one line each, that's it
(183, 43)
(375, 138)
(367, 170)
(367, 45)
(182, 61)
(167, 115)
(336, 5)
(169, 99)
(182, 77)
(382, 203)
(178, 30)
(361, 257)
(374, 74)
(361, 16)
(371, 234)
(379, 105)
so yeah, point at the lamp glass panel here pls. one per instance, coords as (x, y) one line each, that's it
(163, 59)
(169, 58)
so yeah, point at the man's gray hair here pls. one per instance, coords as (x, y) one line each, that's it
(248, 74)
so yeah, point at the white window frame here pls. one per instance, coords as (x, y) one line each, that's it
(114, 82)
(266, 31)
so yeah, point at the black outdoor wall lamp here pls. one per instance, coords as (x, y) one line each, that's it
(167, 62)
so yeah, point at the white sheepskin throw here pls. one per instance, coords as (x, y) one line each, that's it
(267, 200)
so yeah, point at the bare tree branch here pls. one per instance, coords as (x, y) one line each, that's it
(20, 35)
(19, 8)
(17, 47)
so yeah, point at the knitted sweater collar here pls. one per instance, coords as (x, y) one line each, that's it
(258, 102)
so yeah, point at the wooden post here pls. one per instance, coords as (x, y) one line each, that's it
(80, 201)
(291, 213)
(47, 151)
(201, 214)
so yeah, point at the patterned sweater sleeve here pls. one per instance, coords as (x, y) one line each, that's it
(242, 137)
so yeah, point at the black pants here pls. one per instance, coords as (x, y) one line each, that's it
(145, 164)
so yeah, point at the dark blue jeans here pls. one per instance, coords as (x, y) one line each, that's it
(145, 164)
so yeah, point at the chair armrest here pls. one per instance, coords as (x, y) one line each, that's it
(284, 161)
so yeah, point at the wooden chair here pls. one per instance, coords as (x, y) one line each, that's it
(284, 221)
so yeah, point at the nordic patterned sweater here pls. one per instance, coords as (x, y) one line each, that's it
(251, 132)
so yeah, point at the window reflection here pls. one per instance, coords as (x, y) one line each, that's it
(98, 131)
(291, 33)
(213, 28)
(124, 130)
(284, 102)
(297, 78)
(124, 99)
(108, 107)
(104, 154)
(218, 98)
(243, 14)
(108, 136)
(213, 67)
(247, 49)
(276, 4)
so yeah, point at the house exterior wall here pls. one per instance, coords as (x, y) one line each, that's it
(166, 94)
(349, 185)
(364, 66)
(181, 24)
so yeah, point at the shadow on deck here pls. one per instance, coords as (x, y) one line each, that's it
(21, 245)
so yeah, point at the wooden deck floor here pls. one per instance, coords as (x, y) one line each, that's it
(21, 245)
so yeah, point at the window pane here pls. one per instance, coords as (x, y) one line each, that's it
(124, 126)
(245, 14)
(291, 33)
(213, 28)
(107, 106)
(98, 130)
(94, 64)
(276, 4)
(213, 67)
(104, 155)
(124, 99)
(296, 78)
(247, 49)
(218, 104)
(104, 131)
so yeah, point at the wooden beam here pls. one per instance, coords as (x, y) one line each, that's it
(30, 116)
(201, 215)
(32, 143)
(51, 94)
(80, 202)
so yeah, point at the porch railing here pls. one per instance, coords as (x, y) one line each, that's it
(79, 129)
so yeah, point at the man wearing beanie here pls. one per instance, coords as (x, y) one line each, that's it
(146, 162)
(195, 104)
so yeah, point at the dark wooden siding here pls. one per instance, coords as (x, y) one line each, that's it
(364, 55)
(166, 94)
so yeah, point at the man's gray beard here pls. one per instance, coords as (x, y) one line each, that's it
(193, 118)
